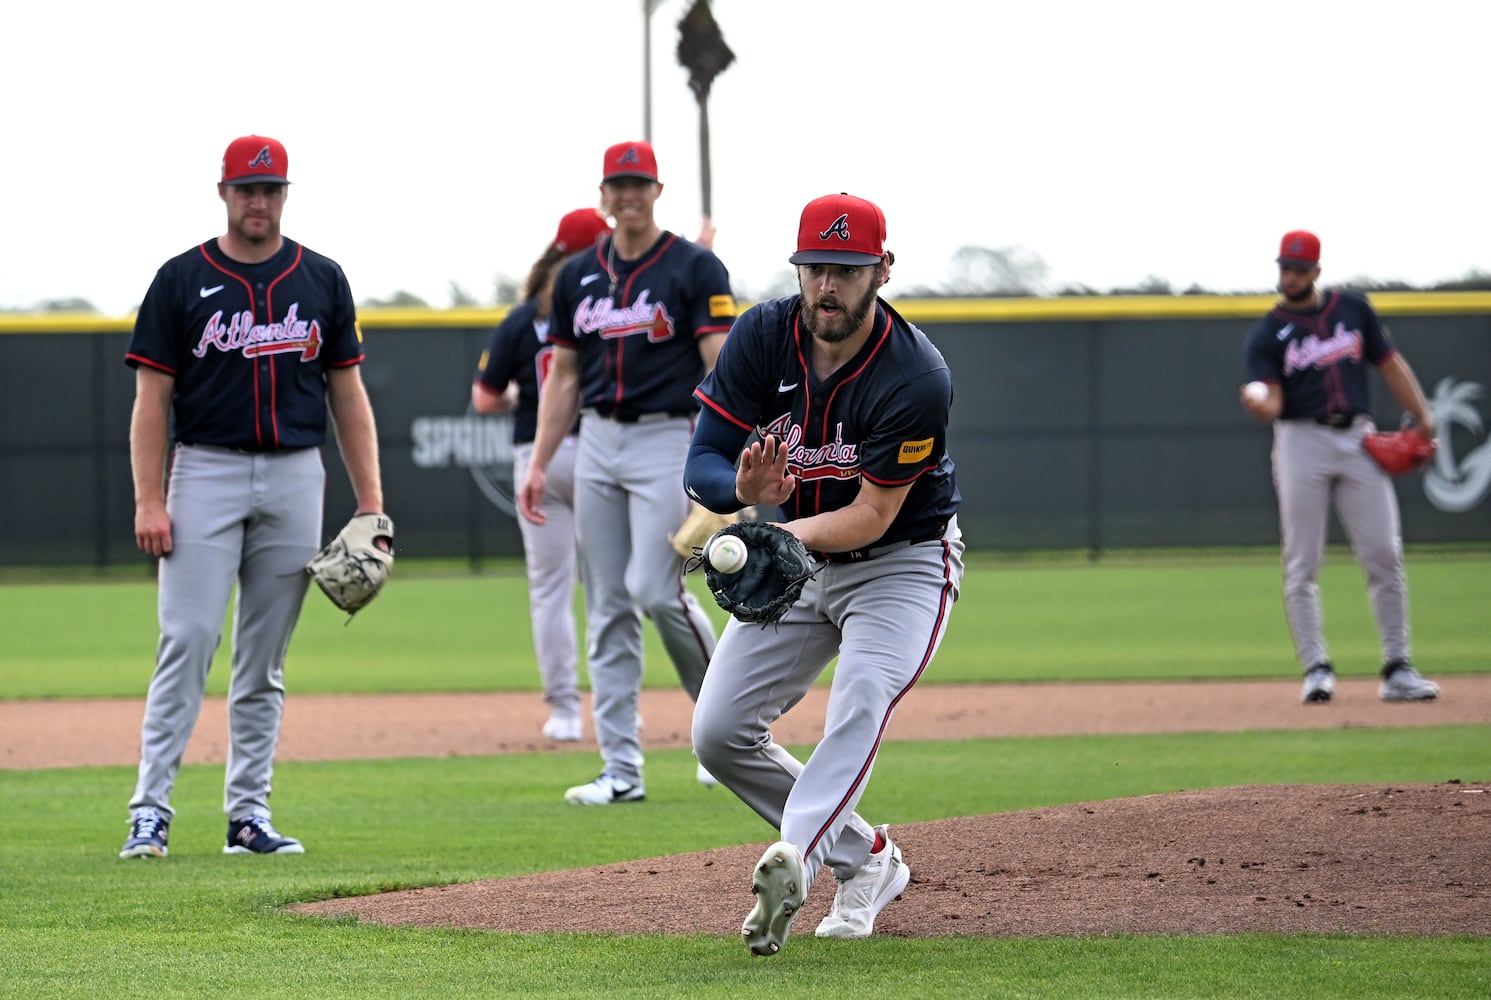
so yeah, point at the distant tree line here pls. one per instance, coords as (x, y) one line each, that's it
(974, 272)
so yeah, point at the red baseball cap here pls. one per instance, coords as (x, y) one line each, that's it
(256, 159)
(840, 229)
(630, 159)
(1299, 249)
(580, 229)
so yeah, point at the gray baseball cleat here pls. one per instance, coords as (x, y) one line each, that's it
(1400, 682)
(780, 884)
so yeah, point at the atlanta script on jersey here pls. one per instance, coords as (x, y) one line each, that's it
(248, 344)
(635, 323)
(1317, 357)
(881, 416)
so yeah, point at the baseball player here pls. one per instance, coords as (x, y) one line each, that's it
(637, 321)
(851, 404)
(239, 346)
(1312, 352)
(508, 377)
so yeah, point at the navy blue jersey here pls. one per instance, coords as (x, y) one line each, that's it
(248, 344)
(1318, 357)
(637, 336)
(520, 352)
(881, 416)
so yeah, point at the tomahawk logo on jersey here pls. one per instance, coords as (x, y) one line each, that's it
(241, 333)
(842, 428)
(238, 338)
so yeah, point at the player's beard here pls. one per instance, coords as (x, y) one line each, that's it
(1300, 299)
(840, 327)
(257, 230)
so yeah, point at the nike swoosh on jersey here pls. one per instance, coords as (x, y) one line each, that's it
(588, 279)
(204, 291)
(784, 387)
(1284, 333)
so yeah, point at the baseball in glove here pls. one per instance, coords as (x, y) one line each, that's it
(1399, 451)
(697, 527)
(355, 565)
(770, 580)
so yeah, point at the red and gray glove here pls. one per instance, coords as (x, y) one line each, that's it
(1399, 451)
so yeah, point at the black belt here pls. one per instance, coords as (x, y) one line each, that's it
(874, 552)
(1337, 420)
(222, 447)
(623, 415)
(241, 451)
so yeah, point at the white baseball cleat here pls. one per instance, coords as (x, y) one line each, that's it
(604, 790)
(780, 884)
(563, 728)
(705, 778)
(1320, 684)
(861, 898)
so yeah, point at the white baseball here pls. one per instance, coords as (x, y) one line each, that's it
(727, 554)
(1255, 392)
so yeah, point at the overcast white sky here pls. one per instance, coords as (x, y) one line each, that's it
(441, 140)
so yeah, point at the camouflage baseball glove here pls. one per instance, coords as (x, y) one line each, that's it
(355, 565)
(1399, 451)
(777, 567)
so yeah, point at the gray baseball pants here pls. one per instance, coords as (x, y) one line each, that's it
(549, 555)
(884, 619)
(628, 497)
(253, 519)
(1317, 468)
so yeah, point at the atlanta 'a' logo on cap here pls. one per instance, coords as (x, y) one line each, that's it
(630, 158)
(263, 159)
(839, 228)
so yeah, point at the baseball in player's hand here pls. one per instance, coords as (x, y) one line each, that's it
(1260, 401)
(763, 476)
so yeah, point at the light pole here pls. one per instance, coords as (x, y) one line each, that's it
(648, 7)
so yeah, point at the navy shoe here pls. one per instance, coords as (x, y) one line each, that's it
(255, 835)
(147, 836)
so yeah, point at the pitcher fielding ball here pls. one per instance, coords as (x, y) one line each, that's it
(850, 404)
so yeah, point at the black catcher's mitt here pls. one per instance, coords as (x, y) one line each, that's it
(354, 566)
(776, 568)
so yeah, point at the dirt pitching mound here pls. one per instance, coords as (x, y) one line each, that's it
(1371, 859)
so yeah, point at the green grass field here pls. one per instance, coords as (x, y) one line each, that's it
(76, 921)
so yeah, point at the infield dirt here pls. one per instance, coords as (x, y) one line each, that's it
(1363, 859)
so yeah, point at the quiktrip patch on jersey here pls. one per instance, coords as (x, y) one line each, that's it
(880, 418)
(913, 452)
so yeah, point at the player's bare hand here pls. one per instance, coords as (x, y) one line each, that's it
(705, 238)
(762, 476)
(153, 530)
(531, 496)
